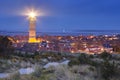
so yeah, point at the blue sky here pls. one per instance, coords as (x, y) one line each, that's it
(68, 15)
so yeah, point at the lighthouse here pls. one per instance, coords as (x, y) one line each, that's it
(32, 27)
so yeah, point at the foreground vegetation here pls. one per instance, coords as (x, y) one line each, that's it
(103, 66)
(82, 66)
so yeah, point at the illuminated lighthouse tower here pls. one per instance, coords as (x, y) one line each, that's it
(32, 27)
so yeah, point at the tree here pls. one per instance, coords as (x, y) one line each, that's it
(5, 46)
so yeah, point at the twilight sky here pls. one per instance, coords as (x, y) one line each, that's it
(59, 15)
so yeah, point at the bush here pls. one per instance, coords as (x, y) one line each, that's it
(37, 72)
(14, 76)
(105, 55)
(93, 63)
(84, 59)
(63, 73)
(108, 70)
(74, 62)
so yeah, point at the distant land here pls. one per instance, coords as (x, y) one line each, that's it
(70, 33)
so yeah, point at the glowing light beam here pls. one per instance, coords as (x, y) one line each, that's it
(32, 14)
